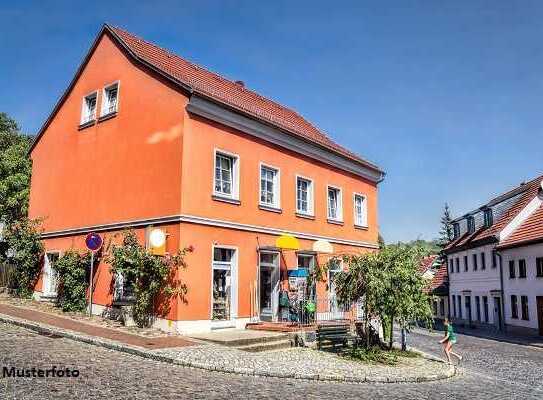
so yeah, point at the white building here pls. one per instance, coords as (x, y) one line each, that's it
(478, 258)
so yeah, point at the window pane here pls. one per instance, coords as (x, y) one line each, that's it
(222, 255)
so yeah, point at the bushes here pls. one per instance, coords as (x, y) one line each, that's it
(72, 280)
(25, 252)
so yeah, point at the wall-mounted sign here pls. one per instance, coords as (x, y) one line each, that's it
(157, 241)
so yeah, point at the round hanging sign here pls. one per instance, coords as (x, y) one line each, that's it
(93, 241)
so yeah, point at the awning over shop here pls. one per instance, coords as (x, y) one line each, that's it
(323, 246)
(287, 242)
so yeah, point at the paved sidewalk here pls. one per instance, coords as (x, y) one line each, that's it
(92, 330)
(300, 363)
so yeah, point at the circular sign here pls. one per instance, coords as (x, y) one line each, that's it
(157, 238)
(93, 241)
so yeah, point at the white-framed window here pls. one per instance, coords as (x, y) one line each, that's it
(360, 205)
(226, 178)
(335, 206)
(304, 196)
(223, 283)
(88, 108)
(110, 99)
(270, 186)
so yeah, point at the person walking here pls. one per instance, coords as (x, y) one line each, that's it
(449, 340)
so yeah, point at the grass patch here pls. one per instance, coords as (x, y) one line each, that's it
(377, 355)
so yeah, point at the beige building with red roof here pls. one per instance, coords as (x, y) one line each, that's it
(495, 262)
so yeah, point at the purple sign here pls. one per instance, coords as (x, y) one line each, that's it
(93, 241)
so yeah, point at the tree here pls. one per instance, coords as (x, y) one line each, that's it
(446, 231)
(15, 170)
(388, 284)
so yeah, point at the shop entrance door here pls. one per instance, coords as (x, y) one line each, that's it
(268, 277)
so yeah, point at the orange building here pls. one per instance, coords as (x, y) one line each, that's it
(142, 138)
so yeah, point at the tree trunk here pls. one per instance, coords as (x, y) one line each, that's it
(391, 337)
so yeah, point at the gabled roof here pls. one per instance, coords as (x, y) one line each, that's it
(530, 231)
(440, 281)
(195, 79)
(484, 234)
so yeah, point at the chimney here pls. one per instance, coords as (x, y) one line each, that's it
(240, 83)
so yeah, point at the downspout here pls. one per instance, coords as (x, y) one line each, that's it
(502, 301)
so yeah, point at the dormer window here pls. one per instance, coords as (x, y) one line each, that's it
(471, 224)
(110, 99)
(456, 230)
(88, 109)
(488, 217)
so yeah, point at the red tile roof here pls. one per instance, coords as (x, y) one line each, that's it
(493, 231)
(426, 263)
(230, 93)
(530, 230)
(440, 279)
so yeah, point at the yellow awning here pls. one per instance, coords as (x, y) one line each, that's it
(323, 246)
(287, 242)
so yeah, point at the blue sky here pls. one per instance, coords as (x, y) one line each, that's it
(446, 96)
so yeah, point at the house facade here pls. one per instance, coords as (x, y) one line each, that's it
(143, 139)
(434, 270)
(478, 258)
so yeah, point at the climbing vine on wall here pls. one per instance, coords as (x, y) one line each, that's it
(72, 280)
(152, 276)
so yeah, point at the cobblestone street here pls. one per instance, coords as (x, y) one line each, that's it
(491, 370)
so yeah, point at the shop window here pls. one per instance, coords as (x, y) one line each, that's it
(223, 259)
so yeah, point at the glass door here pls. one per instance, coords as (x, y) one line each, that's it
(50, 276)
(223, 285)
(333, 270)
(268, 285)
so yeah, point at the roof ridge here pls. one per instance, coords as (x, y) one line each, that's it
(223, 79)
(232, 94)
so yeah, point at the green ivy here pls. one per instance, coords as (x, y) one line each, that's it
(25, 252)
(72, 280)
(152, 276)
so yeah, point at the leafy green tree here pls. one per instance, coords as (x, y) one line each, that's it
(15, 170)
(25, 252)
(388, 284)
(446, 231)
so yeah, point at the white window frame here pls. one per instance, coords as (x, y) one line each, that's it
(104, 106)
(339, 217)
(85, 116)
(234, 175)
(233, 286)
(364, 217)
(310, 196)
(276, 186)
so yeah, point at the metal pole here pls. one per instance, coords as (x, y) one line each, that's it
(91, 283)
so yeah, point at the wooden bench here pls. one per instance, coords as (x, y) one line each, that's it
(332, 335)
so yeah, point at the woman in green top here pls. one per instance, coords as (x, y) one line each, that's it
(449, 340)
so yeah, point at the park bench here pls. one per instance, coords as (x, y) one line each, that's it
(330, 336)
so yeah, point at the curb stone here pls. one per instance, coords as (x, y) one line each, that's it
(111, 345)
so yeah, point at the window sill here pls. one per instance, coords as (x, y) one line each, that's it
(270, 208)
(306, 216)
(86, 125)
(334, 221)
(226, 199)
(362, 227)
(107, 116)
